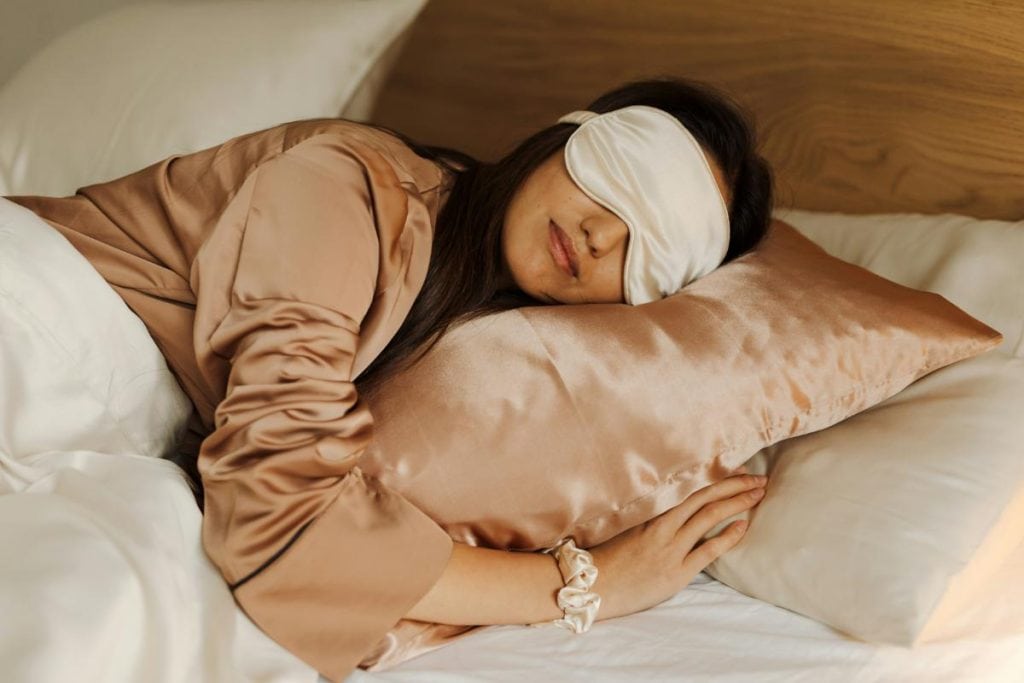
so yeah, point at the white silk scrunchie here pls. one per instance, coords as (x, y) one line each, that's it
(578, 603)
(642, 164)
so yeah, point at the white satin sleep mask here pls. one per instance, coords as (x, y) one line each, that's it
(642, 164)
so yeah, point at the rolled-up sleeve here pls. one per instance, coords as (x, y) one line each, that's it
(323, 558)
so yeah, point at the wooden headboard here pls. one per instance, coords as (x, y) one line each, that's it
(862, 106)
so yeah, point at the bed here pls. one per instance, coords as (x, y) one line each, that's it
(881, 120)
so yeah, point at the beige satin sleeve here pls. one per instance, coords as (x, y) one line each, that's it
(322, 557)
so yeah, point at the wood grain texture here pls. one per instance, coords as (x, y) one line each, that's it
(863, 106)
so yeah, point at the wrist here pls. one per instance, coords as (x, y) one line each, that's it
(553, 583)
(577, 599)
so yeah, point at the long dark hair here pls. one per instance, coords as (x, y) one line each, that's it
(463, 274)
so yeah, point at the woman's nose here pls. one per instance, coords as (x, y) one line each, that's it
(604, 235)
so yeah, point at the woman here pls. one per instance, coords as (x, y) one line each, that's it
(284, 268)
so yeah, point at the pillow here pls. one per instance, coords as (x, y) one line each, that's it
(152, 80)
(918, 500)
(522, 428)
(887, 525)
(78, 369)
(587, 420)
(974, 263)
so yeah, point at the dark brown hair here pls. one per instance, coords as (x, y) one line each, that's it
(462, 277)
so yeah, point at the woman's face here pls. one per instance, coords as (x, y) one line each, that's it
(535, 263)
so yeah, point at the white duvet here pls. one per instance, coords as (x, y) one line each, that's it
(102, 573)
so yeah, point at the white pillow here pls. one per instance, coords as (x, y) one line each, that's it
(886, 525)
(78, 369)
(147, 81)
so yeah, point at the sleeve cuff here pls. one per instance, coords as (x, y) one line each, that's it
(349, 577)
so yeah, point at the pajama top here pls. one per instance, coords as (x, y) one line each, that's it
(271, 270)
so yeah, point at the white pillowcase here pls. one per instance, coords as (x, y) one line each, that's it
(147, 81)
(886, 525)
(78, 369)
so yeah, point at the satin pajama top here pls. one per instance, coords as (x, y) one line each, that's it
(271, 270)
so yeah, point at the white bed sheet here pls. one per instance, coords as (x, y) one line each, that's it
(710, 632)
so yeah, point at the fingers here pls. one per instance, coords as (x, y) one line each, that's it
(713, 548)
(714, 512)
(724, 488)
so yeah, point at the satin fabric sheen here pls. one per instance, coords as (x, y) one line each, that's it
(270, 270)
(642, 164)
(525, 427)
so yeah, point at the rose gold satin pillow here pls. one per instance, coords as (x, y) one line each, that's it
(524, 427)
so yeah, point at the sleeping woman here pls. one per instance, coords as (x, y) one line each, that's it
(287, 271)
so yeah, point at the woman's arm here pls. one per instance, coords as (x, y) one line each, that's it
(322, 558)
(486, 586)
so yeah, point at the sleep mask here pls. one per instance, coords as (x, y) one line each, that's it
(642, 164)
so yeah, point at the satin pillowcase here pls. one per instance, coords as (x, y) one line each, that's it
(523, 428)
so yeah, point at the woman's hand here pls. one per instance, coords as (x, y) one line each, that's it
(651, 562)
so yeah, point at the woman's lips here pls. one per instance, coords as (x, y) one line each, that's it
(561, 250)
